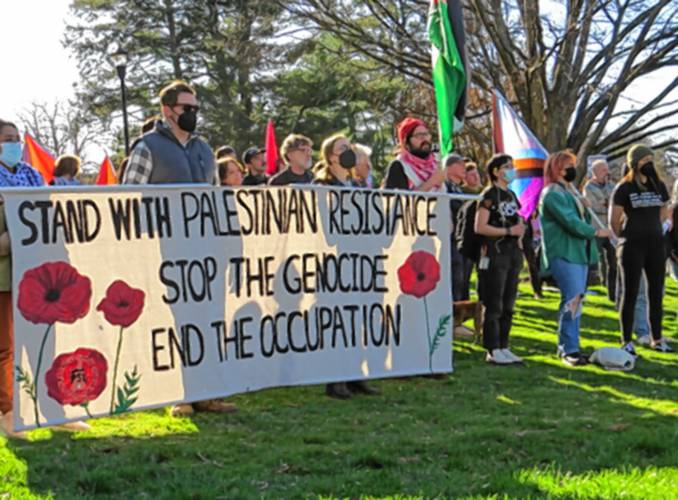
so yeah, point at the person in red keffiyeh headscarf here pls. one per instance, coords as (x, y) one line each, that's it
(416, 167)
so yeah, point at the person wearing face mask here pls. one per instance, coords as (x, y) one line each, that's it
(13, 173)
(416, 167)
(172, 153)
(501, 227)
(568, 249)
(639, 207)
(297, 152)
(598, 190)
(335, 168)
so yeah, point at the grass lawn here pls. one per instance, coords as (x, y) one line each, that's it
(539, 430)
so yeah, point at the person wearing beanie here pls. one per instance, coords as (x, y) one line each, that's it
(415, 167)
(501, 228)
(639, 209)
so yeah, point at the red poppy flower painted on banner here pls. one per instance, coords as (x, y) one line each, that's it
(76, 378)
(419, 275)
(52, 292)
(122, 305)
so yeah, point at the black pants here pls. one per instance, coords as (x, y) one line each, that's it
(607, 266)
(498, 287)
(466, 284)
(634, 256)
(457, 274)
(532, 257)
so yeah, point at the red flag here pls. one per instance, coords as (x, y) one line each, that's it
(106, 175)
(39, 158)
(272, 156)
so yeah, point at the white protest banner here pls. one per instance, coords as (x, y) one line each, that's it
(130, 298)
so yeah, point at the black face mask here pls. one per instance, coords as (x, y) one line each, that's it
(187, 121)
(347, 158)
(648, 170)
(570, 174)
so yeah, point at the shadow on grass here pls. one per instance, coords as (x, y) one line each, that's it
(486, 430)
(543, 429)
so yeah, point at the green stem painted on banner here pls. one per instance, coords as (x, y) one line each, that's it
(115, 369)
(428, 332)
(36, 377)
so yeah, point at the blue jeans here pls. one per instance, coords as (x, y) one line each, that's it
(571, 280)
(640, 323)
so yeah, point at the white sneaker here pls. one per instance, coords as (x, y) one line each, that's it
(643, 340)
(497, 357)
(77, 426)
(509, 355)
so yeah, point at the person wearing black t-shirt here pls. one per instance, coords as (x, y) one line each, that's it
(297, 151)
(639, 206)
(501, 259)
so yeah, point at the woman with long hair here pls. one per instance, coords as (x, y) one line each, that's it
(337, 159)
(639, 208)
(501, 227)
(568, 248)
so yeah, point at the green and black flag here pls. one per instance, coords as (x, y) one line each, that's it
(450, 76)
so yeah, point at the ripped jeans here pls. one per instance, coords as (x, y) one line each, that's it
(571, 280)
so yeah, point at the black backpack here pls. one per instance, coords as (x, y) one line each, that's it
(467, 241)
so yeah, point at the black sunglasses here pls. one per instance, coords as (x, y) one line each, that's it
(187, 108)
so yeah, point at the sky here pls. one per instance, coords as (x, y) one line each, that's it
(43, 69)
(45, 72)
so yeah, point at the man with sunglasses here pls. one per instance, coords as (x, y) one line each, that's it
(172, 153)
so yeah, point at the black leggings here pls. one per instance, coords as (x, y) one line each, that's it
(498, 287)
(634, 256)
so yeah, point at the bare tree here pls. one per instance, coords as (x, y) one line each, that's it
(62, 127)
(566, 67)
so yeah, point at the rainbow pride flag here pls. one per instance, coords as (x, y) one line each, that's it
(511, 136)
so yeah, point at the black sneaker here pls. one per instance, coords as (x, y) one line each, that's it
(630, 349)
(574, 359)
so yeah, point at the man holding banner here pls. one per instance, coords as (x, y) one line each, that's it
(173, 154)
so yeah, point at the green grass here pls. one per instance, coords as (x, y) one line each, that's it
(533, 431)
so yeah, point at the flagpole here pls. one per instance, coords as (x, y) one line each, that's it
(593, 215)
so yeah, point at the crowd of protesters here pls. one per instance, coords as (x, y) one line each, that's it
(627, 228)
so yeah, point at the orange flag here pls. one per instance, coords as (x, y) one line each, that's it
(272, 156)
(39, 158)
(106, 175)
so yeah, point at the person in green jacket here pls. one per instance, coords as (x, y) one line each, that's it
(568, 248)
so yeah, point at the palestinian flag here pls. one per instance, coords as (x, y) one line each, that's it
(450, 75)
